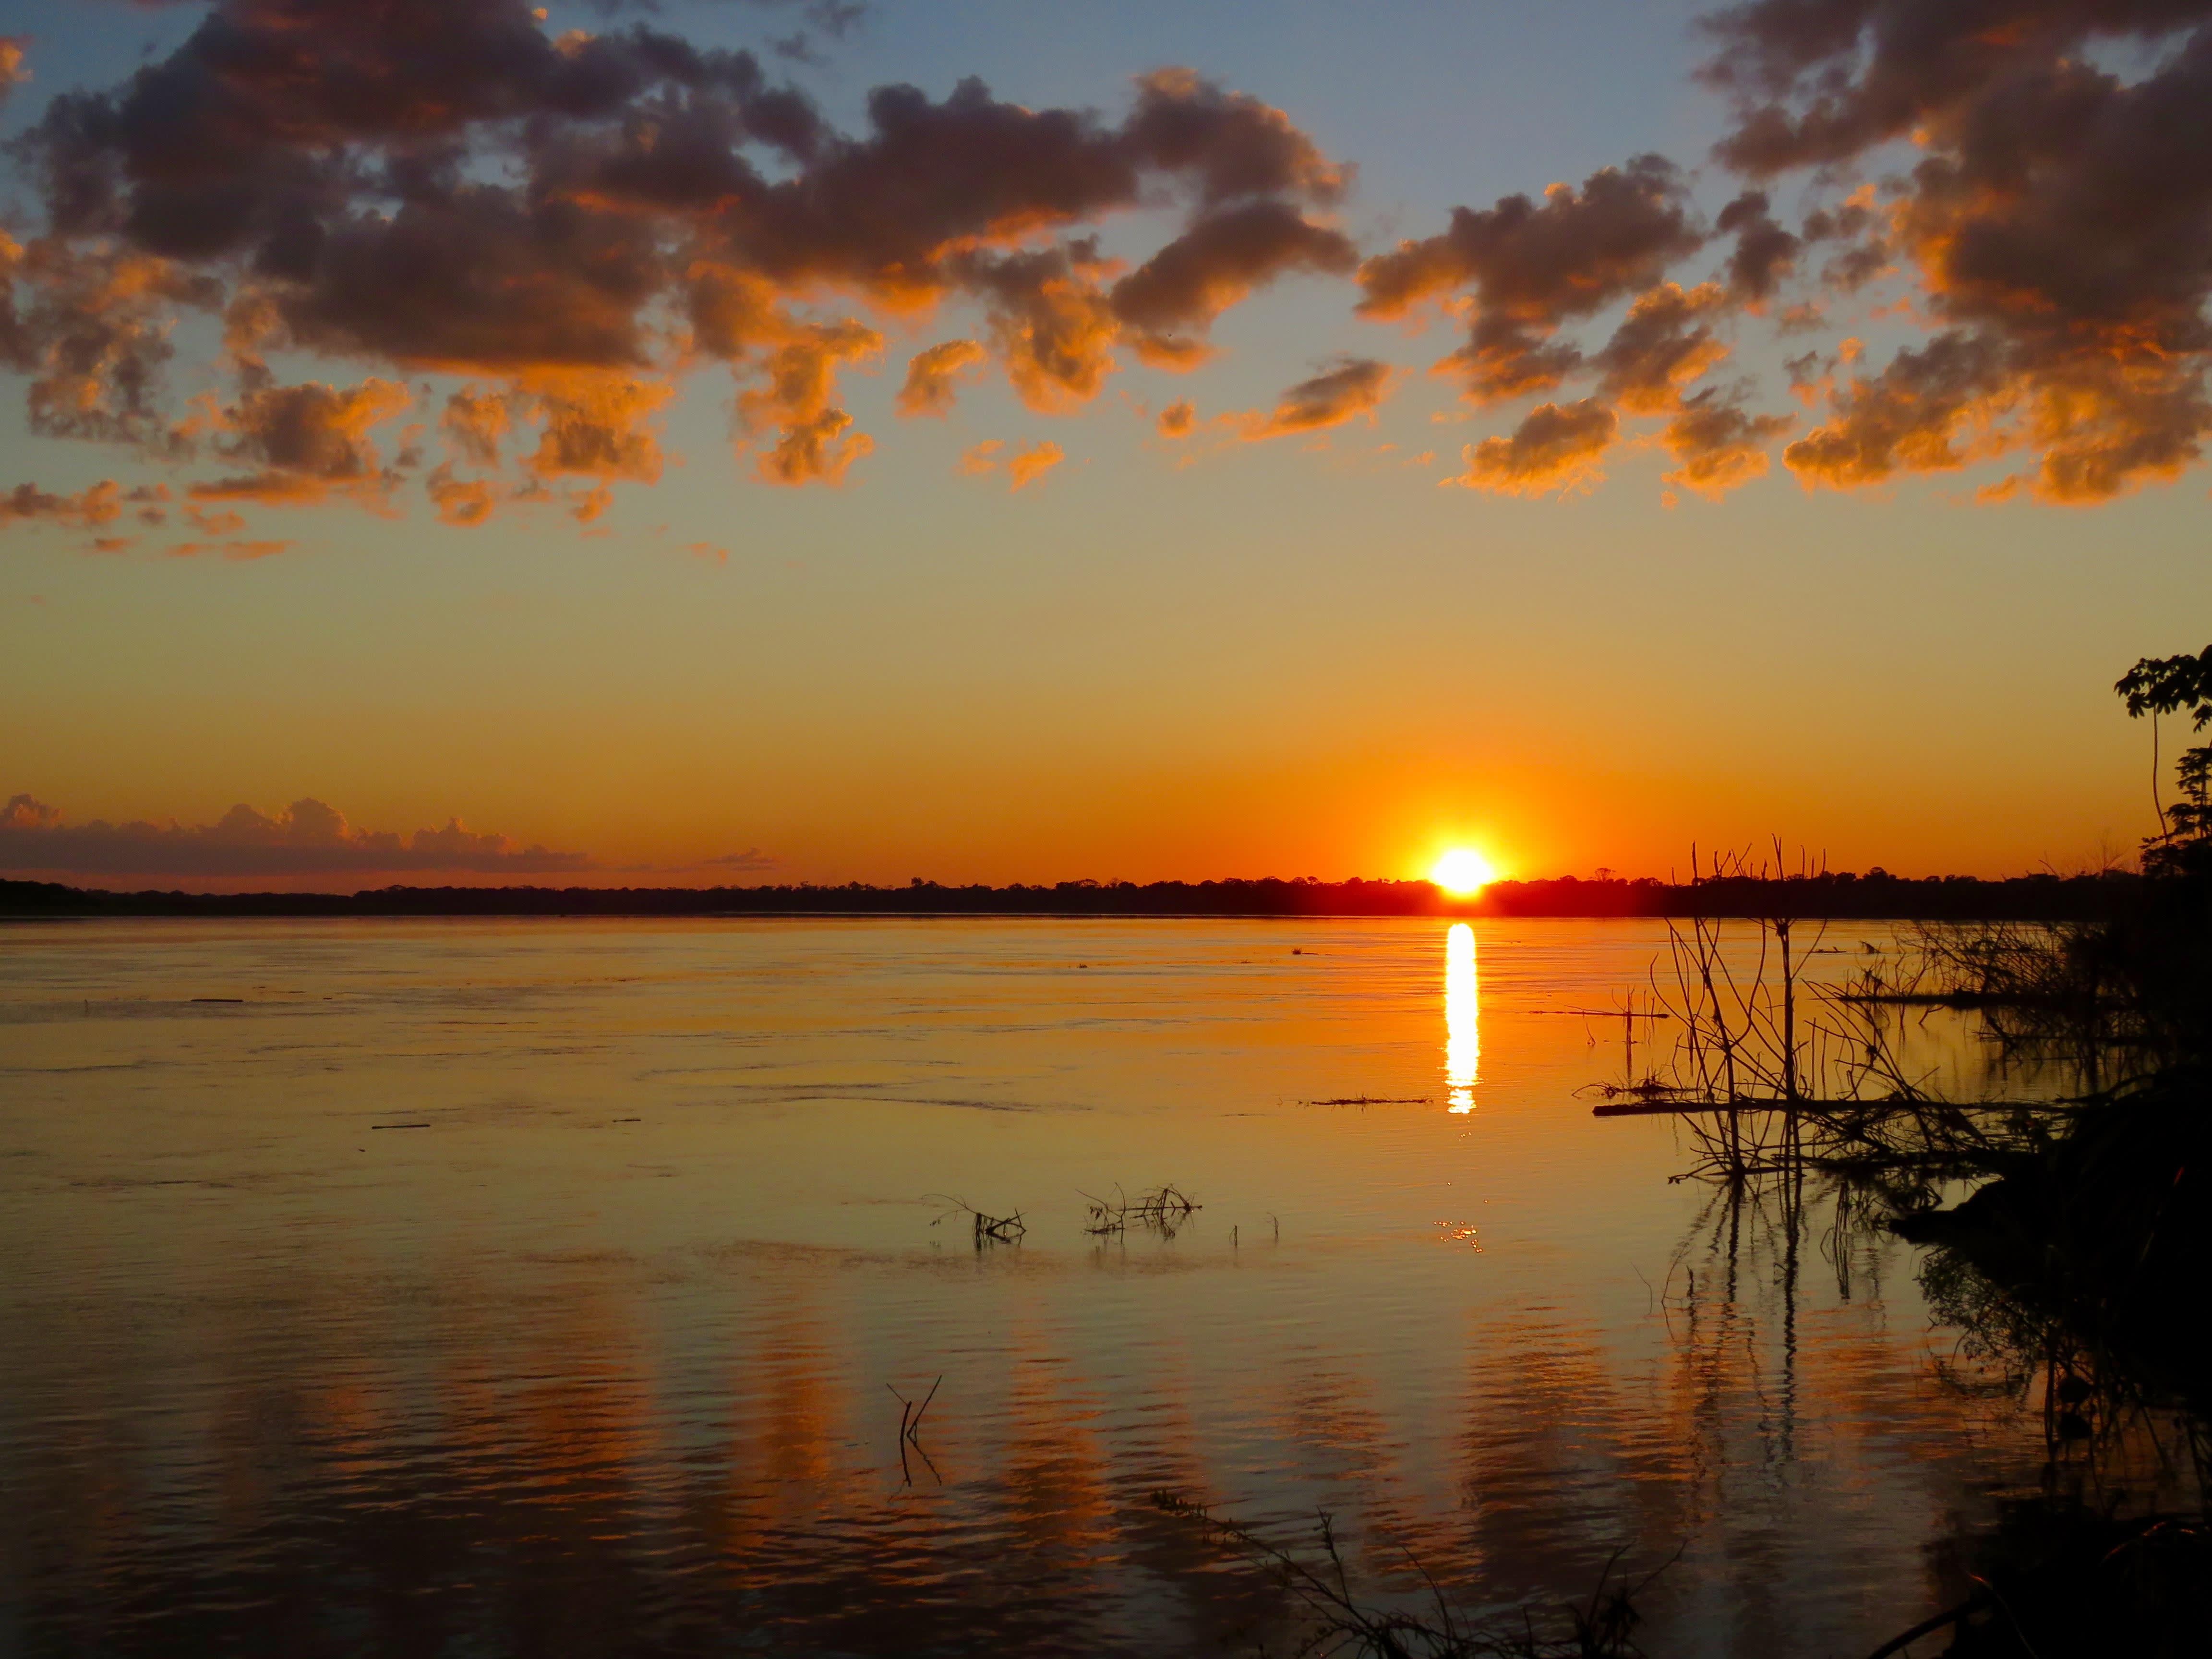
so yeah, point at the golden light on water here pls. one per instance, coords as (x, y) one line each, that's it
(1462, 871)
(1462, 1020)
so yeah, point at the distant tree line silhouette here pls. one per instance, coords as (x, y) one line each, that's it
(1876, 895)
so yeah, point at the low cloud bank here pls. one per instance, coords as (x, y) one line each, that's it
(306, 838)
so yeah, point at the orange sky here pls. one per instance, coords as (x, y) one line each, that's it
(1127, 471)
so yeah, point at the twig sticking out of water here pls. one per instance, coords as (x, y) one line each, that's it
(1342, 1623)
(1165, 1209)
(909, 1430)
(987, 1229)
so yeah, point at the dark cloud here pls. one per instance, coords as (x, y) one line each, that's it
(1173, 298)
(102, 503)
(564, 223)
(1352, 387)
(89, 327)
(1533, 266)
(444, 186)
(2059, 220)
(306, 838)
(305, 442)
(1765, 253)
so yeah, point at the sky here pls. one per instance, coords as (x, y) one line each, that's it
(748, 441)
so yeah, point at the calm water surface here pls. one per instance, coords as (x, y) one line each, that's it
(597, 1354)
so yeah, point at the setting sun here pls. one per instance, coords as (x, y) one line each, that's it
(1461, 873)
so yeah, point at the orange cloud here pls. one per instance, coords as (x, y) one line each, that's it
(308, 440)
(237, 551)
(475, 424)
(1032, 462)
(1719, 446)
(1664, 342)
(931, 374)
(102, 503)
(1053, 324)
(1558, 447)
(461, 502)
(1355, 386)
(1023, 464)
(2057, 222)
(595, 424)
(813, 442)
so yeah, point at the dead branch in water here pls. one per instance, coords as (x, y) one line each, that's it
(988, 1229)
(1165, 1209)
(909, 1430)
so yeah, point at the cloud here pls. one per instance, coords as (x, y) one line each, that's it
(594, 424)
(13, 70)
(1053, 324)
(1719, 446)
(1558, 447)
(1171, 300)
(751, 858)
(1665, 341)
(89, 326)
(235, 551)
(1352, 387)
(445, 187)
(475, 424)
(1533, 267)
(305, 441)
(563, 225)
(931, 376)
(1177, 419)
(811, 443)
(463, 501)
(2059, 222)
(102, 503)
(1023, 464)
(1765, 253)
(306, 838)
(1030, 463)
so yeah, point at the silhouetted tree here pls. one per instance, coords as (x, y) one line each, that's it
(2166, 685)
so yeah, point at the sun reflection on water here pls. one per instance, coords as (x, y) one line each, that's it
(1463, 1019)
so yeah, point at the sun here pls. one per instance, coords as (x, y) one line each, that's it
(1463, 872)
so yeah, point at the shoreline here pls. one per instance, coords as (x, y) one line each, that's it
(1878, 897)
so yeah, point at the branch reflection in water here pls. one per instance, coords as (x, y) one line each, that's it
(1463, 1019)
